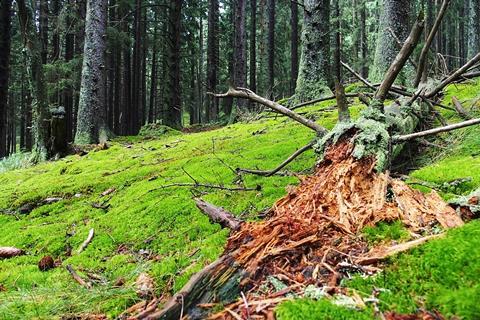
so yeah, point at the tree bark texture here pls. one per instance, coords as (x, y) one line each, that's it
(5, 12)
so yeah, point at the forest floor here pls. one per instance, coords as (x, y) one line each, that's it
(143, 223)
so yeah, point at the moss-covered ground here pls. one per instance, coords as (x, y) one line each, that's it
(145, 227)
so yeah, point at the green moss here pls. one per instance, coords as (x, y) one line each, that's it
(317, 310)
(384, 232)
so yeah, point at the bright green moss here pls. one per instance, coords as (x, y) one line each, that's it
(305, 309)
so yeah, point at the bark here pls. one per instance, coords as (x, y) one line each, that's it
(5, 13)
(473, 28)
(213, 53)
(136, 71)
(314, 71)
(239, 64)
(41, 114)
(174, 112)
(68, 92)
(294, 46)
(153, 74)
(253, 45)
(271, 48)
(394, 16)
(56, 31)
(44, 29)
(91, 126)
(363, 40)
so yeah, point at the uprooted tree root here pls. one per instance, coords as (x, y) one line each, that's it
(310, 238)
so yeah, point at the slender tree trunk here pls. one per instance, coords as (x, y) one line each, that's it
(174, 113)
(5, 13)
(394, 18)
(363, 40)
(228, 102)
(213, 53)
(153, 75)
(473, 28)
(56, 31)
(136, 70)
(239, 68)
(315, 75)
(271, 48)
(37, 84)
(44, 29)
(253, 45)
(68, 91)
(91, 126)
(294, 46)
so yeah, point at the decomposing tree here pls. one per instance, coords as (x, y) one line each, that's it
(311, 234)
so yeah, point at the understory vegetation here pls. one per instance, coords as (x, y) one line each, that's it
(144, 222)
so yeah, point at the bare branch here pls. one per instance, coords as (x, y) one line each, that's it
(457, 74)
(249, 94)
(358, 76)
(400, 139)
(422, 61)
(269, 173)
(400, 59)
(77, 278)
(87, 241)
(219, 215)
(460, 110)
(400, 45)
(307, 103)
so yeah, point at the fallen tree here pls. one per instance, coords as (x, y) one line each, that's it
(311, 236)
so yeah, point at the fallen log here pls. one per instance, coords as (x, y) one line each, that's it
(403, 138)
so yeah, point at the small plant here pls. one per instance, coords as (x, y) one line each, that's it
(19, 160)
(386, 232)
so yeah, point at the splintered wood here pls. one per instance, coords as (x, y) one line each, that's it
(311, 239)
(311, 236)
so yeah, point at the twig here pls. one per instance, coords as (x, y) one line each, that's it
(219, 215)
(249, 94)
(87, 241)
(460, 110)
(358, 76)
(307, 103)
(77, 278)
(268, 173)
(400, 139)
(206, 185)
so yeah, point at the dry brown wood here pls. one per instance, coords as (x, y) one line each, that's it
(87, 241)
(422, 61)
(219, 215)
(400, 60)
(460, 110)
(400, 139)
(77, 278)
(382, 253)
(10, 252)
(249, 94)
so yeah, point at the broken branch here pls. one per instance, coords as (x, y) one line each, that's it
(400, 139)
(400, 59)
(219, 215)
(268, 173)
(358, 76)
(460, 110)
(87, 241)
(77, 278)
(249, 94)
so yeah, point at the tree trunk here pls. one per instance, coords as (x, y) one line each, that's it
(315, 75)
(253, 45)
(91, 126)
(363, 40)
(239, 65)
(271, 48)
(43, 27)
(5, 13)
(56, 32)
(294, 46)
(394, 18)
(174, 112)
(153, 74)
(473, 28)
(41, 115)
(68, 91)
(213, 52)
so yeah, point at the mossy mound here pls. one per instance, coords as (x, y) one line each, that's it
(157, 130)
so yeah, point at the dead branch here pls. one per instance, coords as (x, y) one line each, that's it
(422, 61)
(307, 103)
(384, 253)
(460, 110)
(87, 241)
(268, 173)
(206, 185)
(400, 59)
(358, 76)
(10, 252)
(400, 44)
(219, 215)
(454, 76)
(249, 94)
(400, 139)
(77, 278)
